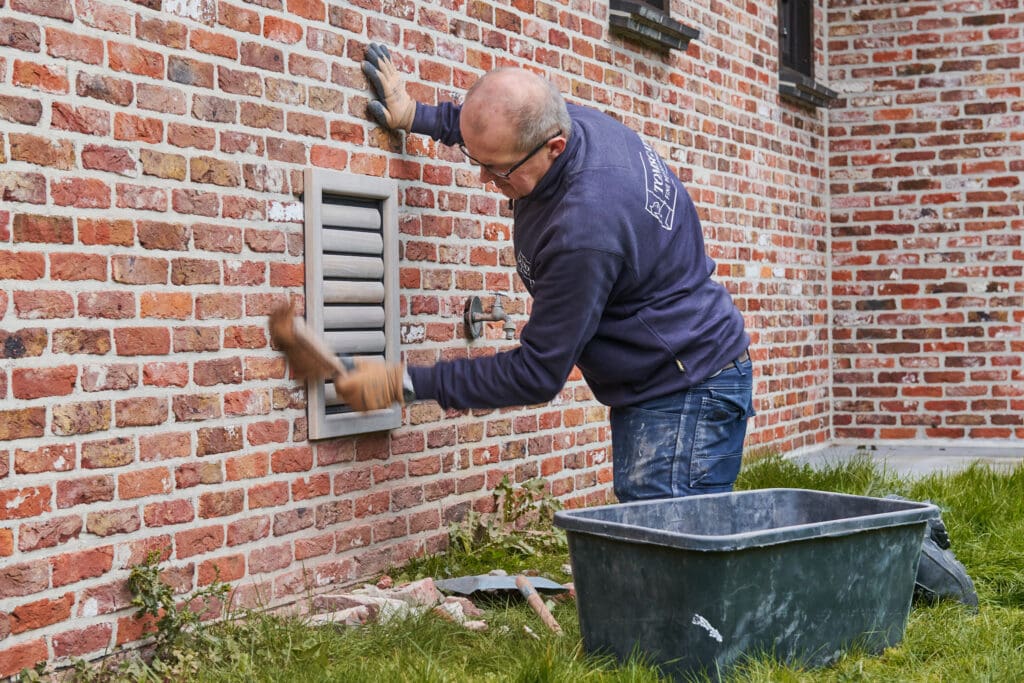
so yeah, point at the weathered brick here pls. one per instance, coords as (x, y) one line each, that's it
(197, 541)
(82, 641)
(30, 384)
(56, 458)
(49, 533)
(213, 440)
(142, 483)
(108, 377)
(81, 418)
(142, 341)
(82, 193)
(115, 91)
(221, 503)
(85, 490)
(78, 267)
(25, 343)
(111, 522)
(24, 502)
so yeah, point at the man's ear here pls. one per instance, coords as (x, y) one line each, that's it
(557, 146)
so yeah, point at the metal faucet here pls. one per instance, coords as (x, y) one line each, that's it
(474, 317)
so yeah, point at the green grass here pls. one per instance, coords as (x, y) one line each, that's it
(983, 510)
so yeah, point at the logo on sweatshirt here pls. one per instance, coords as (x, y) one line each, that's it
(661, 191)
(523, 266)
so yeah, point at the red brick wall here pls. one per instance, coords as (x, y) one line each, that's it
(151, 163)
(926, 166)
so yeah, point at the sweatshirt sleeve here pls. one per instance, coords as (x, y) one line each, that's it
(570, 295)
(440, 122)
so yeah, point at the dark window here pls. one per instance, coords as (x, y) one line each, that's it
(796, 35)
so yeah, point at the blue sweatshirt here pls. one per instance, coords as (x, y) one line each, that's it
(610, 247)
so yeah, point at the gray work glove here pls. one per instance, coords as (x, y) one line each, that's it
(394, 108)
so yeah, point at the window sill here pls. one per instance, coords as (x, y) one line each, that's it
(802, 89)
(648, 26)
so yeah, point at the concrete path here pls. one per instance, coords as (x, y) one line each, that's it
(919, 460)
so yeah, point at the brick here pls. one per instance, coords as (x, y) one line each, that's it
(135, 60)
(213, 440)
(221, 503)
(85, 490)
(139, 412)
(268, 495)
(115, 305)
(162, 165)
(49, 533)
(142, 483)
(112, 522)
(262, 57)
(24, 343)
(76, 566)
(109, 377)
(270, 558)
(82, 193)
(83, 641)
(20, 35)
(30, 384)
(81, 418)
(138, 128)
(166, 513)
(190, 71)
(198, 541)
(108, 453)
(214, 171)
(230, 568)
(43, 229)
(194, 474)
(167, 33)
(196, 407)
(198, 137)
(23, 187)
(42, 151)
(115, 91)
(100, 231)
(55, 458)
(164, 446)
(23, 655)
(195, 202)
(76, 267)
(20, 109)
(43, 304)
(139, 270)
(175, 305)
(111, 159)
(39, 77)
(142, 341)
(24, 502)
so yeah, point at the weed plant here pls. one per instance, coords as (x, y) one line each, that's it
(983, 510)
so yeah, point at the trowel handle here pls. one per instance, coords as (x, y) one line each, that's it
(536, 603)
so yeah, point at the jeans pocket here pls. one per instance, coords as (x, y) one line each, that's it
(718, 441)
(643, 452)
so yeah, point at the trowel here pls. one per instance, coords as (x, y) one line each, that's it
(493, 584)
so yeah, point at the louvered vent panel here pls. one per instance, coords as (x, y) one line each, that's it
(351, 286)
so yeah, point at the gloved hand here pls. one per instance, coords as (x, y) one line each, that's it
(394, 109)
(371, 385)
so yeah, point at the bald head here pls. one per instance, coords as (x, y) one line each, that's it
(529, 107)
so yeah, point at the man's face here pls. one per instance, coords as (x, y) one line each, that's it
(513, 172)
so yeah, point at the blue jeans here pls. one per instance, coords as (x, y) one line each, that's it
(684, 444)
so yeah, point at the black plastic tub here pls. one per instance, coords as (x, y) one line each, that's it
(695, 584)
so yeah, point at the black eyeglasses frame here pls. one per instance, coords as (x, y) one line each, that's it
(506, 174)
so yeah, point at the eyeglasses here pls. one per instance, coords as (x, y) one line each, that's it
(504, 175)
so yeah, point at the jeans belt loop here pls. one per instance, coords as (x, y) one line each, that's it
(742, 358)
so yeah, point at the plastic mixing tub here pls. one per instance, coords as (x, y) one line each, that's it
(695, 584)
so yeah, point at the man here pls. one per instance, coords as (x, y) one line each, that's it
(609, 245)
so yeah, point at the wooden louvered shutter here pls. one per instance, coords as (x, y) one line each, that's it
(351, 287)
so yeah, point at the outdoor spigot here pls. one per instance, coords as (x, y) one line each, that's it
(474, 317)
